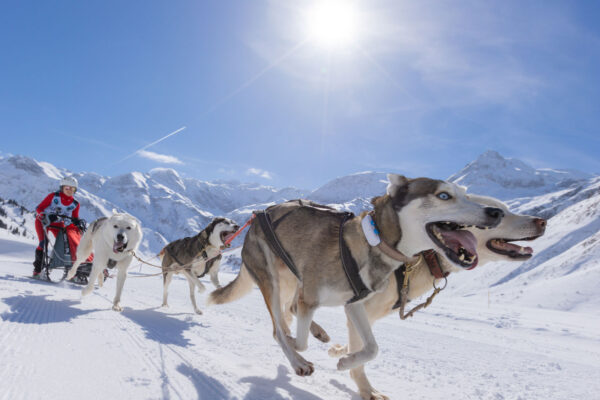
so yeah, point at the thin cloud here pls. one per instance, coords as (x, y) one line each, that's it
(161, 158)
(151, 144)
(259, 172)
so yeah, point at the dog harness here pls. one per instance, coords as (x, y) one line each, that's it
(349, 264)
(433, 263)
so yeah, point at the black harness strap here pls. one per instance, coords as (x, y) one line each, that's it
(350, 267)
(265, 223)
(399, 273)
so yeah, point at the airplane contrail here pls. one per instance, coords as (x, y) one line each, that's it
(151, 144)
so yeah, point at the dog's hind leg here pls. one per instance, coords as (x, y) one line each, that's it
(120, 282)
(301, 366)
(304, 316)
(194, 279)
(358, 316)
(316, 330)
(193, 297)
(167, 277)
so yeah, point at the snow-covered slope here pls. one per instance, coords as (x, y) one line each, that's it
(171, 207)
(56, 345)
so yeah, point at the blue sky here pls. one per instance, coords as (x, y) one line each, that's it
(420, 88)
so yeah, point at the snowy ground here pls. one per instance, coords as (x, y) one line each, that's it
(55, 346)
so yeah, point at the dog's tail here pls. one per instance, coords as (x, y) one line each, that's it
(236, 289)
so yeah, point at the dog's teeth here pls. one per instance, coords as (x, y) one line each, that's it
(461, 257)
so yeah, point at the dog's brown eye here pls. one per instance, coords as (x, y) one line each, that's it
(444, 196)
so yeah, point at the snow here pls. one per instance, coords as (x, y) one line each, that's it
(57, 345)
(519, 330)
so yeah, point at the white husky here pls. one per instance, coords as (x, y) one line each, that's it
(112, 240)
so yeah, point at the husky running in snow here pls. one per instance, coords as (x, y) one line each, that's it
(414, 215)
(195, 256)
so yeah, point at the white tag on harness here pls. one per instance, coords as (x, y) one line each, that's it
(370, 230)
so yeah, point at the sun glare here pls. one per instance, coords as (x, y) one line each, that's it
(332, 23)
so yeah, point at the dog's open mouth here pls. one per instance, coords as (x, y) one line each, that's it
(225, 236)
(458, 244)
(119, 247)
(505, 248)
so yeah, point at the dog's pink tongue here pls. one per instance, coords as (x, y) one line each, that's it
(229, 237)
(460, 238)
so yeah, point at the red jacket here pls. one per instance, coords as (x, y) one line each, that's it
(59, 203)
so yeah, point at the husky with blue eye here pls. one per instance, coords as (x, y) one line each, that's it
(413, 215)
(112, 239)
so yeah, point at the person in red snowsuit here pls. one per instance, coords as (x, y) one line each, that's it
(63, 203)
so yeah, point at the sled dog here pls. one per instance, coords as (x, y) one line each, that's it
(414, 215)
(111, 239)
(195, 256)
(492, 245)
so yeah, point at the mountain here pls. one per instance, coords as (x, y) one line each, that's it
(170, 207)
(507, 178)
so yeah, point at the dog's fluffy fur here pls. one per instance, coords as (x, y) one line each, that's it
(197, 254)
(492, 245)
(111, 238)
(407, 215)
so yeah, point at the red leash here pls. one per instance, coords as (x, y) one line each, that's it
(228, 241)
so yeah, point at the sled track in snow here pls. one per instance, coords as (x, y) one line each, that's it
(207, 388)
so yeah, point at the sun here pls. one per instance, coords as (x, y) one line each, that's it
(333, 23)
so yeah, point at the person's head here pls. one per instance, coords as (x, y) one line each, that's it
(68, 185)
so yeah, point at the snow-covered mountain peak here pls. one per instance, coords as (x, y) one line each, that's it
(347, 188)
(168, 177)
(508, 178)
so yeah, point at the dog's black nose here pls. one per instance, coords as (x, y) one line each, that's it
(494, 212)
(120, 237)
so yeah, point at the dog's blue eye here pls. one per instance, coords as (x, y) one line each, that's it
(444, 196)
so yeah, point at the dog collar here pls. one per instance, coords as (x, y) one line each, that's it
(374, 239)
(370, 230)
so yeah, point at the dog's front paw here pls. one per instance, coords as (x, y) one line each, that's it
(197, 311)
(117, 307)
(304, 368)
(373, 395)
(337, 350)
(165, 305)
(346, 363)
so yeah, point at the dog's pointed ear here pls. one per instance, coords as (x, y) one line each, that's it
(114, 211)
(396, 181)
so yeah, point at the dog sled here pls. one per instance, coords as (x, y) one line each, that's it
(56, 259)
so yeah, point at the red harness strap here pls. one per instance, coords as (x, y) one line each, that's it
(228, 241)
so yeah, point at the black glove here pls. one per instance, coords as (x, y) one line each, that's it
(80, 223)
(52, 217)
